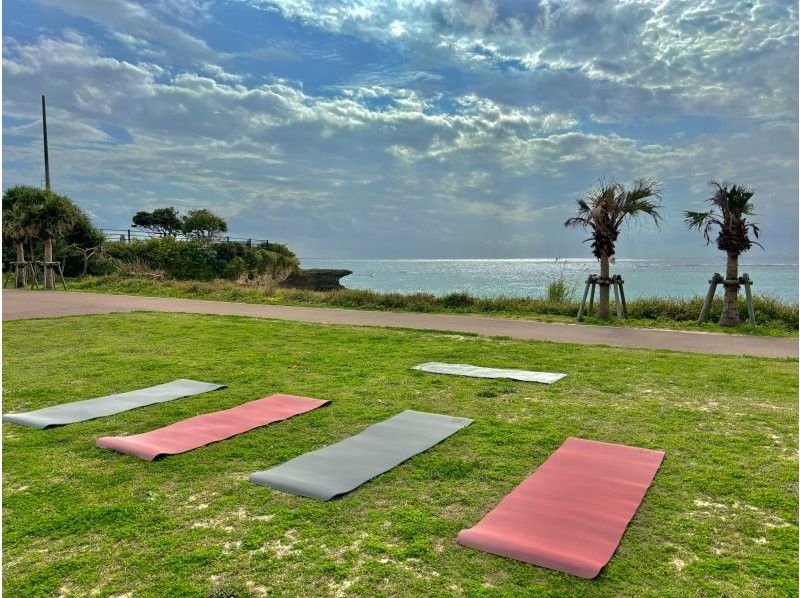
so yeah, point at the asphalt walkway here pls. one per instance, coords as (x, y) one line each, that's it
(18, 304)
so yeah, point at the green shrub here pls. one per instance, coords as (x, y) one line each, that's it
(200, 260)
(559, 290)
(457, 300)
(234, 268)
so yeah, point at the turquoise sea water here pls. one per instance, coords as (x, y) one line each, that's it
(529, 277)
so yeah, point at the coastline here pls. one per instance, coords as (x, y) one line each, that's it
(521, 277)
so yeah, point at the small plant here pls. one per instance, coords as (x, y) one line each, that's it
(559, 289)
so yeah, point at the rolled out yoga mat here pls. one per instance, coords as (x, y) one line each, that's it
(341, 467)
(204, 429)
(70, 413)
(463, 369)
(570, 514)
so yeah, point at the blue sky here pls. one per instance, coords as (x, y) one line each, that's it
(419, 128)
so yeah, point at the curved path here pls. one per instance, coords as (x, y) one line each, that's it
(37, 304)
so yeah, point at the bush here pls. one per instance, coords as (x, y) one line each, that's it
(199, 260)
(234, 268)
(559, 290)
(457, 300)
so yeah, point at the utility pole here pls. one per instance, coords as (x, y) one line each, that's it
(46, 157)
(47, 259)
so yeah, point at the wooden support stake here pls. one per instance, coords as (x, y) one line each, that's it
(712, 288)
(585, 293)
(591, 296)
(616, 298)
(622, 295)
(745, 280)
(56, 268)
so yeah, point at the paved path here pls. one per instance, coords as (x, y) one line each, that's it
(37, 304)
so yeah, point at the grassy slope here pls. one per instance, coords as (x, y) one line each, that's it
(721, 517)
(539, 310)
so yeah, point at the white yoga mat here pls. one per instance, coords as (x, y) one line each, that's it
(474, 371)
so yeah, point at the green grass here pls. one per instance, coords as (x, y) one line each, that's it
(773, 318)
(720, 518)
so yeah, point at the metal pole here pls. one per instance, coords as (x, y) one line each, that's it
(46, 156)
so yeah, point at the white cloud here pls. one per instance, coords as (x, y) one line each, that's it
(729, 58)
(131, 20)
(390, 164)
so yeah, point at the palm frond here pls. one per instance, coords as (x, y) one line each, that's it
(734, 202)
(697, 219)
(607, 205)
(578, 221)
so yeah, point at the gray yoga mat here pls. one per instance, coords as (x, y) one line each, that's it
(344, 466)
(463, 369)
(79, 411)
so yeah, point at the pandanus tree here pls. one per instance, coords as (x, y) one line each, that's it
(18, 202)
(17, 230)
(730, 205)
(604, 212)
(54, 217)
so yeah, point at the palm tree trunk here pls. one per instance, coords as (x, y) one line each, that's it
(49, 274)
(22, 272)
(603, 308)
(730, 307)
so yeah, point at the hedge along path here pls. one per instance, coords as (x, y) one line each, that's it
(19, 304)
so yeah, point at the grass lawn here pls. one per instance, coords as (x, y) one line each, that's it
(720, 518)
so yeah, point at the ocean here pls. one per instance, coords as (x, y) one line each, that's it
(530, 277)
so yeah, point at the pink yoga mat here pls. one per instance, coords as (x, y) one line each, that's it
(197, 431)
(570, 514)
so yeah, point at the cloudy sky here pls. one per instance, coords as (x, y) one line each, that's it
(417, 128)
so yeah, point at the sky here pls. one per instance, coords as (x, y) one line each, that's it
(416, 128)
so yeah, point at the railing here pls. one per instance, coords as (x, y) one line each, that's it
(126, 235)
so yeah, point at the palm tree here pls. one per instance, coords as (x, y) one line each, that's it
(730, 204)
(18, 202)
(52, 218)
(17, 230)
(604, 211)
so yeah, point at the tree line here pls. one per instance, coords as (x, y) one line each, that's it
(203, 225)
(42, 227)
